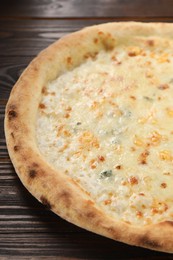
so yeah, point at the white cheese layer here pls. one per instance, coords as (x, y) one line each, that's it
(108, 124)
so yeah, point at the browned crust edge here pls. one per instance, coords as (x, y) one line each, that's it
(58, 192)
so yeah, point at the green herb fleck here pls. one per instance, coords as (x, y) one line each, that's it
(106, 174)
(148, 98)
(127, 113)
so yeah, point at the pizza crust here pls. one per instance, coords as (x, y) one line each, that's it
(57, 191)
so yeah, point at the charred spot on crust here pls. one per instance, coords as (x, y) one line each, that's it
(16, 148)
(35, 164)
(147, 242)
(167, 222)
(45, 202)
(35, 68)
(12, 114)
(66, 197)
(69, 60)
(12, 135)
(151, 43)
(44, 91)
(32, 173)
(90, 214)
(114, 233)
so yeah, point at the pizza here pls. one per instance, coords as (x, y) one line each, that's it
(89, 130)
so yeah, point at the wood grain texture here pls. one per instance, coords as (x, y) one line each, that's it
(27, 229)
(28, 37)
(86, 8)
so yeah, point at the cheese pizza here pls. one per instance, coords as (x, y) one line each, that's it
(89, 129)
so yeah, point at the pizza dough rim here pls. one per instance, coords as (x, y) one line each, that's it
(58, 192)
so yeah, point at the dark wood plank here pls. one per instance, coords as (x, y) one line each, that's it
(10, 70)
(28, 37)
(86, 8)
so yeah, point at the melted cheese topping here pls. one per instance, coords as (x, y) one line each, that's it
(108, 124)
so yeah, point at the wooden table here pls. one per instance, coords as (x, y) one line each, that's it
(27, 229)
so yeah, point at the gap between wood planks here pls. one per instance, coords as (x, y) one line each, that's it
(119, 18)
